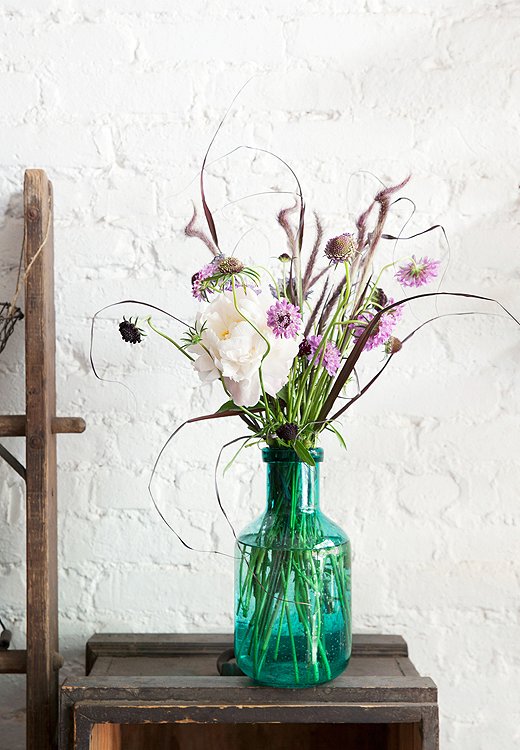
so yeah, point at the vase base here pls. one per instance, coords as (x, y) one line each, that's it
(280, 675)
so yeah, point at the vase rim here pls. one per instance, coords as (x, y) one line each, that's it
(288, 455)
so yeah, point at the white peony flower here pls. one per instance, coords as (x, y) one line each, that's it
(231, 347)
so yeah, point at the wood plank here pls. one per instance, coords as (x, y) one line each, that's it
(404, 737)
(179, 710)
(206, 665)
(187, 712)
(14, 425)
(242, 691)
(406, 666)
(430, 728)
(13, 661)
(254, 736)
(42, 607)
(106, 737)
(176, 644)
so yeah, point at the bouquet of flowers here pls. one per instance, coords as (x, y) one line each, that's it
(284, 344)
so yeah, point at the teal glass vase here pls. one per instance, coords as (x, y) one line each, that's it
(292, 582)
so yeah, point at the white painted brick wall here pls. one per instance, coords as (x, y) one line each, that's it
(117, 101)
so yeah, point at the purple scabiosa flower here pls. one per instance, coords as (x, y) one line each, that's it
(284, 319)
(418, 272)
(340, 249)
(196, 280)
(330, 357)
(230, 265)
(383, 328)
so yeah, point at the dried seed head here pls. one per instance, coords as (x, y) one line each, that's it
(130, 332)
(230, 265)
(380, 298)
(305, 349)
(393, 345)
(288, 432)
(340, 249)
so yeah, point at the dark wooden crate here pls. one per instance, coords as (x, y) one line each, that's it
(164, 692)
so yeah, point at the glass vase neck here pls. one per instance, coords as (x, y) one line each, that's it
(292, 484)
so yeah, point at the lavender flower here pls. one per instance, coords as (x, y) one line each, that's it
(418, 272)
(284, 319)
(383, 328)
(196, 280)
(330, 356)
(340, 249)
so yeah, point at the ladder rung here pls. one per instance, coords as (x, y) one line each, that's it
(13, 662)
(13, 425)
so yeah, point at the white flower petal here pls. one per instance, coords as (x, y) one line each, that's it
(236, 347)
(244, 392)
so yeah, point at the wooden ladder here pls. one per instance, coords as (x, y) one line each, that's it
(41, 660)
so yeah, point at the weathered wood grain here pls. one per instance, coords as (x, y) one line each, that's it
(251, 736)
(242, 691)
(163, 645)
(42, 577)
(187, 736)
(188, 705)
(14, 425)
(13, 661)
(106, 737)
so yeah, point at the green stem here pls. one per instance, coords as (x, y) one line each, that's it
(165, 336)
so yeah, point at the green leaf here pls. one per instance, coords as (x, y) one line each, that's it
(338, 435)
(228, 406)
(303, 453)
(283, 394)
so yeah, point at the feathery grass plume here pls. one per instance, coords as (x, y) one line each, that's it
(294, 240)
(316, 309)
(330, 304)
(283, 219)
(318, 276)
(363, 261)
(191, 230)
(309, 268)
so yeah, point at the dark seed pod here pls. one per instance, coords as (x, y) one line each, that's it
(380, 298)
(288, 432)
(130, 332)
(305, 349)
